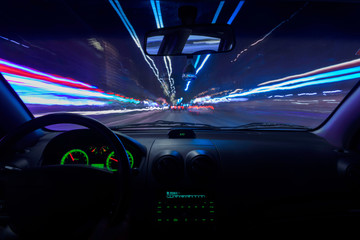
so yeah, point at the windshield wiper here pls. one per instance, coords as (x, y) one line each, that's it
(267, 125)
(163, 124)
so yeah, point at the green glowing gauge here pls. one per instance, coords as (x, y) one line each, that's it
(112, 163)
(75, 156)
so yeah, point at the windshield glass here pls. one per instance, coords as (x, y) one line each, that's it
(293, 63)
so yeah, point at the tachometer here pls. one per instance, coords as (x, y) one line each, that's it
(112, 162)
(75, 156)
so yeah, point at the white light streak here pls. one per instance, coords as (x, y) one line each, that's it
(202, 64)
(269, 33)
(117, 7)
(105, 112)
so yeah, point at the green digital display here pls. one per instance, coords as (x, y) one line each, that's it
(179, 195)
(98, 165)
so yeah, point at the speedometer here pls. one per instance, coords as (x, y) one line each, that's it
(75, 156)
(112, 162)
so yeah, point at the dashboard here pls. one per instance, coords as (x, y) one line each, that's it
(217, 184)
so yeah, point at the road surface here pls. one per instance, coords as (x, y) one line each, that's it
(309, 112)
(215, 118)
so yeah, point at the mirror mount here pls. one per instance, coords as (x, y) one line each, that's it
(189, 72)
(187, 15)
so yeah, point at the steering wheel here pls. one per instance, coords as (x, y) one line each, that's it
(65, 200)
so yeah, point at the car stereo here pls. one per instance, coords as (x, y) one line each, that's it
(185, 208)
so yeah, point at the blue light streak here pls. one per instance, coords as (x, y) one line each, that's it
(17, 43)
(221, 4)
(155, 13)
(207, 56)
(125, 20)
(346, 74)
(159, 24)
(118, 9)
(197, 61)
(305, 84)
(324, 81)
(328, 74)
(187, 86)
(159, 14)
(203, 63)
(237, 9)
(311, 78)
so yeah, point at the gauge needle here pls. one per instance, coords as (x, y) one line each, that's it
(114, 159)
(72, 158)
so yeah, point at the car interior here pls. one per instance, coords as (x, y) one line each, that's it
(272, 149)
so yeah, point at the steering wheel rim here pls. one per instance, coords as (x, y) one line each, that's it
(118, 213)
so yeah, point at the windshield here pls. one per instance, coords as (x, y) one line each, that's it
(293, 63)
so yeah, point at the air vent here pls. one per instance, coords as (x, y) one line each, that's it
(200, 165)
(168, 167)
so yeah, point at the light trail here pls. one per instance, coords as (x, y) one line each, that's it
(118, 9)
(187, 86)
(152, 2)
(349, 65)
(46, 93)
(203, 63)
(201, 107)
(15, 42)
(312, 78)
(51, 100)
(300, 85)
(36, 87)
(339, 75)
(218, 10)
(9, 67)
(159, 14)
(167, 61)
(269, 33)
(197, 61)
(168, 66)
(237, 9)
(106, 112)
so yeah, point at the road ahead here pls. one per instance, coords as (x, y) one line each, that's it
(309, 112)
(215, 118)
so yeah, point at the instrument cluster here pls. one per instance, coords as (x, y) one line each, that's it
(83, 147)
(100, 156)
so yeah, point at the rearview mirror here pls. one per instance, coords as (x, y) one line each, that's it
(190, 40)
